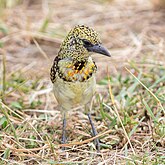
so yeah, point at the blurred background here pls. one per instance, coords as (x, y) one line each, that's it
(31, 32)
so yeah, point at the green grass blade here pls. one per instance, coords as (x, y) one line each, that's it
(149, 110)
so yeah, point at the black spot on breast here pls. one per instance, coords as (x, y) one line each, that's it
(79, 65)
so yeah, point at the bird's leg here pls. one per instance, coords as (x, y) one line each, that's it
(64, 131)
(63, 141)
(94, 132)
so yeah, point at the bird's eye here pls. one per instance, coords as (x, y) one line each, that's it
(87, 43)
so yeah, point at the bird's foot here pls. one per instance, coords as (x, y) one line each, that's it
(97, 144)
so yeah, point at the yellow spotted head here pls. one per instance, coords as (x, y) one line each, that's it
(81, 40)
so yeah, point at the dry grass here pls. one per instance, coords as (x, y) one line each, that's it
(128, 108)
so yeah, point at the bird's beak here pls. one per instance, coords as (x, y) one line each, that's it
(99, 49)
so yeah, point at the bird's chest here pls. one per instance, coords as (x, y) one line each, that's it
(75, 82)
(71, 71)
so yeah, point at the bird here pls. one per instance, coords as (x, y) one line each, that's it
(73, 73)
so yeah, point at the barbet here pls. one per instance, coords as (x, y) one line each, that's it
(73, 72)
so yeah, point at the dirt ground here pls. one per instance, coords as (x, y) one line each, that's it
(133, 31)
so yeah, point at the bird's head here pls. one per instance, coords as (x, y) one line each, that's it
(81, 40)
